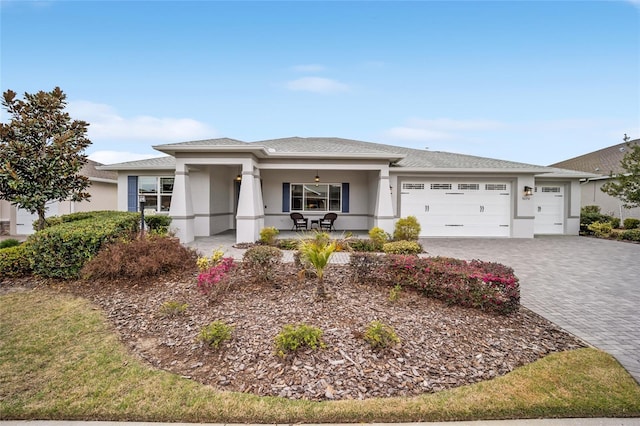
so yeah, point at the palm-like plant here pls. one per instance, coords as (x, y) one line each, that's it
(316, 251)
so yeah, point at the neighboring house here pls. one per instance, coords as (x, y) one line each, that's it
(215, 185)
(103, 190)
(604, 163)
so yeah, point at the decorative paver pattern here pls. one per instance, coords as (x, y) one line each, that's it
(590, 287)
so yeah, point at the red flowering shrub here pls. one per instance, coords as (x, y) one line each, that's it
(212, 278)
(484, 285)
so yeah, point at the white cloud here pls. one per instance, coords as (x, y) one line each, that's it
(417, 129)
(317, 85)
(112, 157)
(107, 125)
(309, 68)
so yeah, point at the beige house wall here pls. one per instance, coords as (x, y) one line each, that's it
(592, 195)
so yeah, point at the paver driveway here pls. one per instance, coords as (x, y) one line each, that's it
(589, 287)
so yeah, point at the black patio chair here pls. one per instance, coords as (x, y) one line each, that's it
(299, 221)
(327, 222)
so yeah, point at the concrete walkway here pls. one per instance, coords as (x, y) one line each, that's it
(590, 287)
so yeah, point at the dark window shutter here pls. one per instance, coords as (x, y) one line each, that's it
(132, 193)
(286, 196)
(345, 197)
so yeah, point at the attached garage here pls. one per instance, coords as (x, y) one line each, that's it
(24, 219)
(549, 204)
(456, 208)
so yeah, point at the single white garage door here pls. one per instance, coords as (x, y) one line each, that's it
(549, 201)
(447, 208)
(24, 219)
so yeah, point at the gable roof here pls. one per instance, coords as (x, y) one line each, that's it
(90, 170)
(603, 162)
(331, 147)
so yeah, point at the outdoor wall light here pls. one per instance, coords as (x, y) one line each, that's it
(528, 191)
(317, 178)
(239, 178)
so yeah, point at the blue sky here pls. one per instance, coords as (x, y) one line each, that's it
(535, 82)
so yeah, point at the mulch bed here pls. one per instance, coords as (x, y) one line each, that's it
(441, 346)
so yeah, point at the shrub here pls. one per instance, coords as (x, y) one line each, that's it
(57, 220)
(364, 267)
(366, 245)
(14, 261)
(394, 293)
(600, 229)
(317, 252)
(591, 214)
(9, 242)
(631, 235)
(482, 285)
(205, 263)
(631, 223)
(407, 228)
(615, 222)
(268, 235)
(292, 338)
(215, 333)
(140, 258)
(158, 224)
(214, 280)
(60, 251)
(262, 262)
(402, 247)
(380, 335)
(288, 243)
(378, 236)
(172, 308)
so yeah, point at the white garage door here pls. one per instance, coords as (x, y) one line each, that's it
(24, 219)
(549, 201)
(448, 208)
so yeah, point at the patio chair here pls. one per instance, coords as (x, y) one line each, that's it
(299, 221)
(327, 222)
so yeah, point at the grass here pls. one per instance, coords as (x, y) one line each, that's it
(59, 359)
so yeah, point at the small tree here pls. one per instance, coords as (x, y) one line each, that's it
(41, 152)
(317, 252)
(626, 185)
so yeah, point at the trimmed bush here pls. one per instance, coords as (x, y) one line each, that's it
(215, 333)
(615, 222)
(158, 224)
(14, 261)
(140, 258)
(483, 285)
(631, 235)
(600, 229)
(379, 237)
(380, 335)
(631, 223)
(591, 214)
(402, 247)
(366, 245)
(9, 242)
(292, 338)
(407, 228)
(60, 251)
(262, 262)
(268, 235)
(288, 243)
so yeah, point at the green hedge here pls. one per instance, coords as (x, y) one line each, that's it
(61, 250)
(14, 261)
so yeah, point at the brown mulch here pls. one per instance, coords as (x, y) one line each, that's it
(441, 346)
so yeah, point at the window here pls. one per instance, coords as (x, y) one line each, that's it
(468, 186)
(495, 186)
(443, 186)
(413, 186)
(311, 197)
(157, 192)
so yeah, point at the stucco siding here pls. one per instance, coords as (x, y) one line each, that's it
(592, 195)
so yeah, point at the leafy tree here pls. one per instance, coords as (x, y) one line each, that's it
(626, 185)
(41, 152)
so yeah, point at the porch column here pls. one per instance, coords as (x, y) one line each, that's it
(181, 210)
(383, 216)
(250, 211)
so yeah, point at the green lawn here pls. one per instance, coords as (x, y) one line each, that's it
(59, 359)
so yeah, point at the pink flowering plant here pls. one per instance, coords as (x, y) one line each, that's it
(214, 270)
(483, 285)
